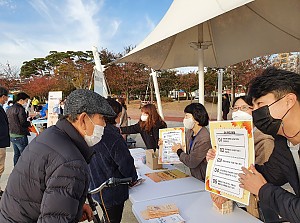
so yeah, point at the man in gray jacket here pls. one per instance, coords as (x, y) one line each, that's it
(50, 181)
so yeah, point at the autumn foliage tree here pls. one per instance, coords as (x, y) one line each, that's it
(189, 83)
(168, 81)
(40, 86)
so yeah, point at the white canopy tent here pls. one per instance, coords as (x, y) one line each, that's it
(216, 33)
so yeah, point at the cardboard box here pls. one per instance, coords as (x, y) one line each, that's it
(152, 159)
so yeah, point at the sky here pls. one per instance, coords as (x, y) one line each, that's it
(32, 28)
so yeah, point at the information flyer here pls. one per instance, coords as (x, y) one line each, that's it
(166, 175)
(234, 145)
(169, 137)
(54, 98)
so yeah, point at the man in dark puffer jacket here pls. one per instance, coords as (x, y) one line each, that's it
(50, 181)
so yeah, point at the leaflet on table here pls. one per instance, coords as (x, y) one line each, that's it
(170, 136)
(166, 175)
(175, 218)
(234, 145)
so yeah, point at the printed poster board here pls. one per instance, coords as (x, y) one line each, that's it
(169, 136)
(234, 145)
(54, 98)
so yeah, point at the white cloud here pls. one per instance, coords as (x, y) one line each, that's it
(62, 26)
(150, 23)
(7, 3)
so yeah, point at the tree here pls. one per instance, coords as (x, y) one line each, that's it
(125, 78)
(9, 77)
(210, 81)
(188, 83)
(242, 73)
(40, 86)
(167, 80)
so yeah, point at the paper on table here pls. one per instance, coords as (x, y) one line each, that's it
(158, 211)
(166, 175)
(175, 218)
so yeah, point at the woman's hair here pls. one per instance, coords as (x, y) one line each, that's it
(122, 102)
(116, 106)
(245, 98)
(153, 117)
(199, 113)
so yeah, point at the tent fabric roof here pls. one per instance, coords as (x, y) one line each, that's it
(237, 30)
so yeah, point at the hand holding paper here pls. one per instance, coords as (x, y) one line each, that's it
(211, 154)
(176, 146)
(218, 200)
(251, 181)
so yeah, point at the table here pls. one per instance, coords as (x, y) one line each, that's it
(149, 190)
(38, 122)
(194, 208)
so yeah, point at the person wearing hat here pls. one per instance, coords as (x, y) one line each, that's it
(112, 159)
(51, 179)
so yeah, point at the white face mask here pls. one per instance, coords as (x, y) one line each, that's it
(96, 136)
(240, 115)
(25, 105)
(188, 123)
(144, 118)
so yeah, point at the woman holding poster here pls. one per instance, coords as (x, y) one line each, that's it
(197, 140)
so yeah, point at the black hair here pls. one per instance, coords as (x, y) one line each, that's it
(117, 107)
(276, 81)
(21, 96)
(3, 91)
(245, 98)
(199, 113)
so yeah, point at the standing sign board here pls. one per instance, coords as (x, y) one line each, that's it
(54, 98)
(234, 145)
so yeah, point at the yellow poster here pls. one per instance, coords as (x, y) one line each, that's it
(234, 145)
(166, 175)
(169, 137)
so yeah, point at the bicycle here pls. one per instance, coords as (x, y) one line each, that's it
(111, 182)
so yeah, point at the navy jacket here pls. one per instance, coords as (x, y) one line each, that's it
(112, 159)
(281, 169)
(4, 131)
(150, 138)
(50, 181)
(17, 120)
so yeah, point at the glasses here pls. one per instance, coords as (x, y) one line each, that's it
(241, 108)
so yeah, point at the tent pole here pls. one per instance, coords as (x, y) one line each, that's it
(220, 81)
(157, 94)
(201, 74)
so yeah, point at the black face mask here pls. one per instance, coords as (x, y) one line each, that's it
(263, 120)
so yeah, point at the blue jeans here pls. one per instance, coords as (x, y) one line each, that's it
(19, 145)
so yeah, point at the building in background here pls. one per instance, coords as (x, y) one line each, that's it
(288, 61)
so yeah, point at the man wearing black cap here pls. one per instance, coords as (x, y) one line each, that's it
(50, 181)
